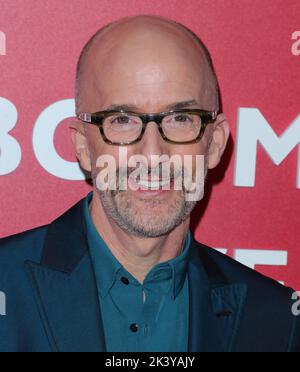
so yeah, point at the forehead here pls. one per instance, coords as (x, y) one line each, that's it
(143, 65)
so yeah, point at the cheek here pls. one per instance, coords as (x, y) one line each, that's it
(189, 157)
(98, 148)
(193, 150)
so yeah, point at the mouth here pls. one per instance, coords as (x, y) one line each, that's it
(151, 187)
(154, 184)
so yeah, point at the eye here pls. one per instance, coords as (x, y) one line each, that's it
(121, 119)
(182, 118)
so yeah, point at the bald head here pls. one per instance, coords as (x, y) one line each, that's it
(141, 43)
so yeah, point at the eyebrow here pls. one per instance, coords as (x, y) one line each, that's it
(170, 107)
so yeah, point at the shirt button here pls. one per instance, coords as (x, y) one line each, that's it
(125, 280)
(134, 328)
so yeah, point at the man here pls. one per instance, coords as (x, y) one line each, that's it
(120, 270)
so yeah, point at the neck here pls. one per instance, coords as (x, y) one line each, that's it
(137, 255)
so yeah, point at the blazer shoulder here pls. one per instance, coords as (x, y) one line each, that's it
(23, 246)
(276, 303)
(236, 272)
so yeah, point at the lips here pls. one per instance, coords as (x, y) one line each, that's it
(154, 184)
(150, 184)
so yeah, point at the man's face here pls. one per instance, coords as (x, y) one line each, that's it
(148, 72)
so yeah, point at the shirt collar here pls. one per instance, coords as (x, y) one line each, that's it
(108, 268)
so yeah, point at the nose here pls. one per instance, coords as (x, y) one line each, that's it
(151, 144)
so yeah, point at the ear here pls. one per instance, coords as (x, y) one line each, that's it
(218, 141)
(80, 145)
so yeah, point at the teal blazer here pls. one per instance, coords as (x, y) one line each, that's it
(52, 303)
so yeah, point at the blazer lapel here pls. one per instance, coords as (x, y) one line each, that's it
(215, 305)
(65, 287)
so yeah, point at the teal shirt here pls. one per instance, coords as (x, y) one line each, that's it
(148, 317)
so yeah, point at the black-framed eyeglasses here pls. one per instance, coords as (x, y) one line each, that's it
(123, 128)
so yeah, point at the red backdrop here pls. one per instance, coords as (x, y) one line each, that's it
(252, 212)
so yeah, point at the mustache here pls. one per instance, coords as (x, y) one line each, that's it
(159, 172)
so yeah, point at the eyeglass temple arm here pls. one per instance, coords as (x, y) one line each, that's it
(84, 116)
(214, 115)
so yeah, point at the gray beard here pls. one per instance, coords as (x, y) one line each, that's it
(145, 221)
(140, 222)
